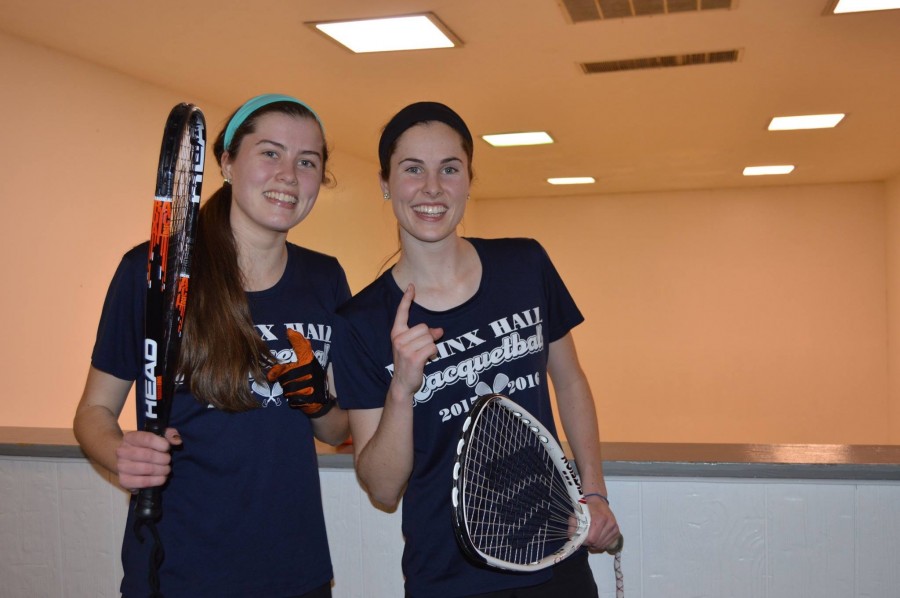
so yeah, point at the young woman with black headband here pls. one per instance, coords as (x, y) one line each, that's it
(454, 318)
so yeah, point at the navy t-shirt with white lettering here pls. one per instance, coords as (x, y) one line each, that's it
(242, 511)
(497, 341)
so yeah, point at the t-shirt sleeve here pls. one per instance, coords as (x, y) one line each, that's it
(117, 348)
(360, 381)
(564, 313)
(342, 292)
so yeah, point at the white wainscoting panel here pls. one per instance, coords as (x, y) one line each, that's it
(62, 520)
(877, 541)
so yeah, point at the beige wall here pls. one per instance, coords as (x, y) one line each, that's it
(80, 147)
(716, 316)
(744, 316)
(77, 193)
(892, 225)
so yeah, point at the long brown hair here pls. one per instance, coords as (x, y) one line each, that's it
(221, 346)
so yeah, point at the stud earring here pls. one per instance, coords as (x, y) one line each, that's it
(228, 181)
(387, 195)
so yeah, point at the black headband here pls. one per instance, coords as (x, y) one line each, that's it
(414, 114)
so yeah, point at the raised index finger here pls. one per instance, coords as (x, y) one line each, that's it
(401, 320)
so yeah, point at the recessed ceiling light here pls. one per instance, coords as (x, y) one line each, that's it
(409, 32)
(572, 180)
(845, 6)
(510, 139)
(764, 170)
(808, 121)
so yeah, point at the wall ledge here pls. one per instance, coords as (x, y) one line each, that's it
(742, 461)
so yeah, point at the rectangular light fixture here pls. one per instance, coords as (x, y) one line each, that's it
(808, 121)
(511, 139)
(390, 34)
(572, 180)
(847, 6)
(766, 170)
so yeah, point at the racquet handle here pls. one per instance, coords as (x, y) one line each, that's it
(617, 547)
(148, 505)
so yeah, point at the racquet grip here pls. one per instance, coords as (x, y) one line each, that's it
(617, 547)
(148, 504)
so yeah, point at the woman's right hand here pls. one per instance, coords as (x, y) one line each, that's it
(383, 438)
(143, 459)
(413, 347)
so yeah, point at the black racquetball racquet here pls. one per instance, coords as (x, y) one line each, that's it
(175, 214)
(516, 499)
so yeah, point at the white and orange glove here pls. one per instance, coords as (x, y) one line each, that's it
(303, 380)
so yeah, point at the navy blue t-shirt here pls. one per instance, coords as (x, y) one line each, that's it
(242, 511)
(497, 341)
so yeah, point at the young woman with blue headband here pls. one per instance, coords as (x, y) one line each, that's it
(242, 508)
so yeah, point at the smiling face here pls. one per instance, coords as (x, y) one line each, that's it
(276, 174)
(429, 182)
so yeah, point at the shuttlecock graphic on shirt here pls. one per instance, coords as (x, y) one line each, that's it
(267, 394)
(501, 383)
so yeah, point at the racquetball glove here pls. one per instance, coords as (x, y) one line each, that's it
(303, 380)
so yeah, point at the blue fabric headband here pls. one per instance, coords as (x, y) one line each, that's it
(255, 104)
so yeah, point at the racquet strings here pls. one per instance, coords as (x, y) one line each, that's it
(183, 189)
(177, 243)
(181, 197)
(517, 505)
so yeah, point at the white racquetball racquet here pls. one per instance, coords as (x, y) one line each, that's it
(517, 501)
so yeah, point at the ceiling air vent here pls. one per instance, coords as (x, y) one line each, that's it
(580, 11)
(656, 62)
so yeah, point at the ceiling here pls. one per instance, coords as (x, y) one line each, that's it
(660, 129)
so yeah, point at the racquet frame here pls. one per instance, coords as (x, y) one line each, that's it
(474, 513)
(175, 214)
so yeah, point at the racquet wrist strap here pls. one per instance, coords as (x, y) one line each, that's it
(326, 407)
(598, 495)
